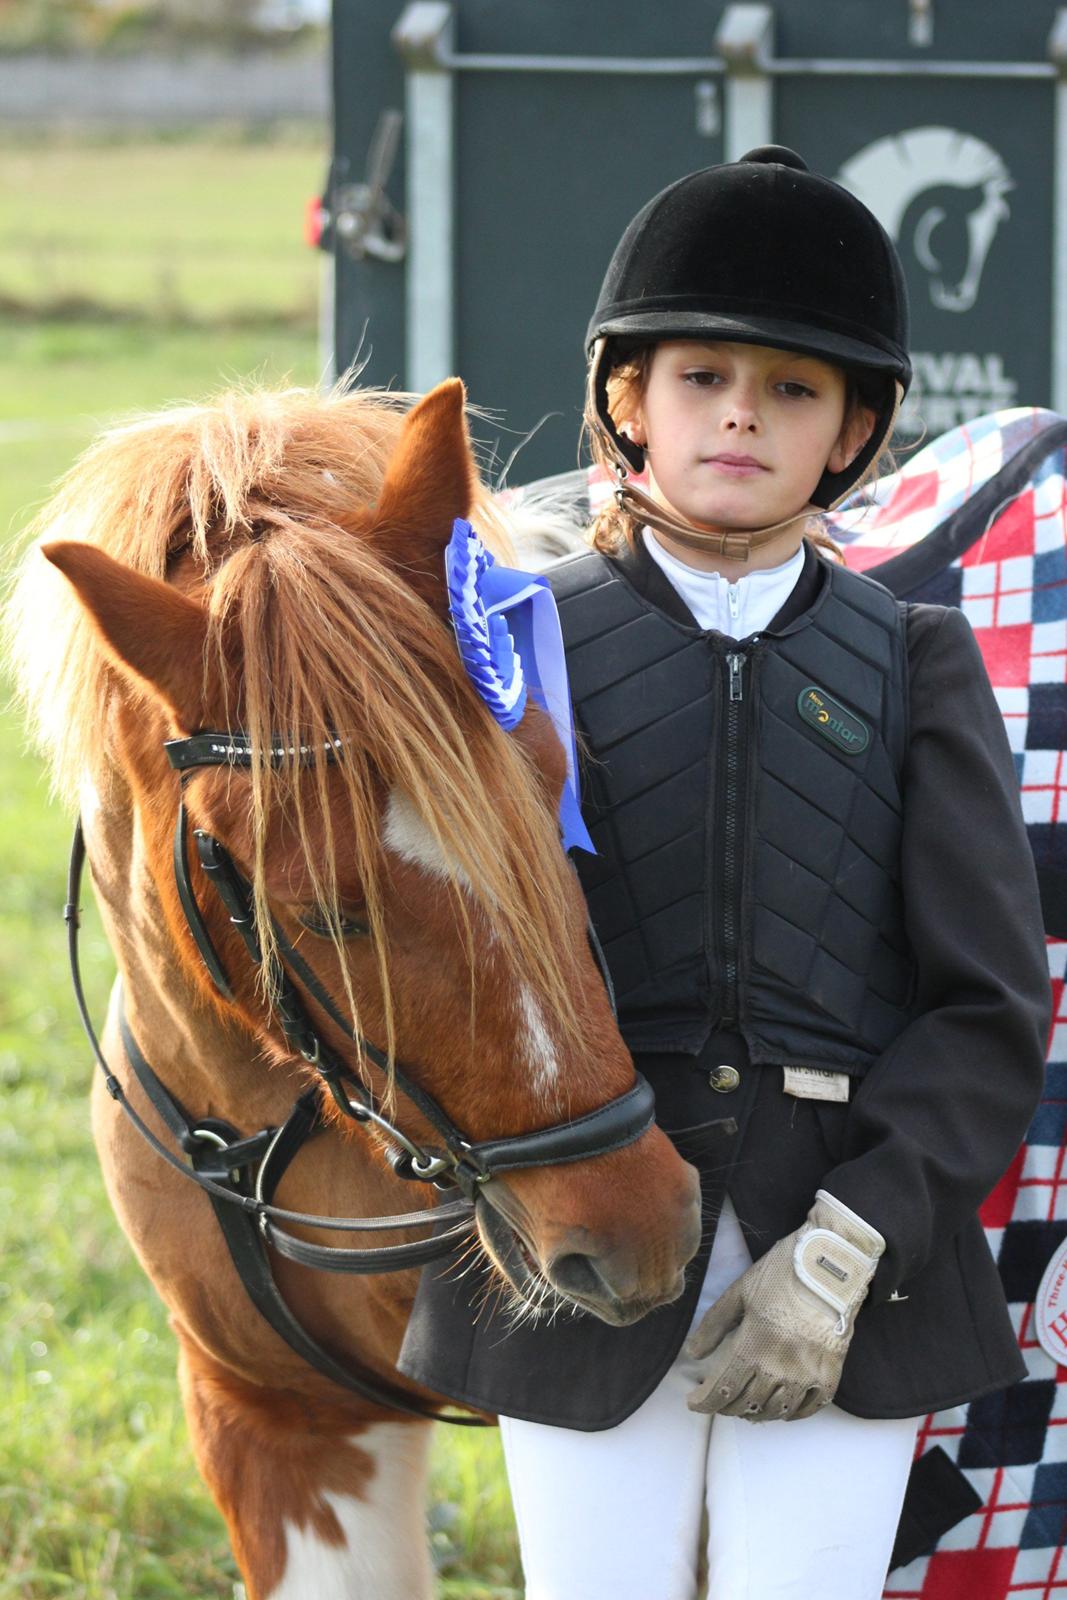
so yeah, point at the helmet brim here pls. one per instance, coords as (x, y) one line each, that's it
(775, 332)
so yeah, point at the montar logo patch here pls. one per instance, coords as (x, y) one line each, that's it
(830, 718)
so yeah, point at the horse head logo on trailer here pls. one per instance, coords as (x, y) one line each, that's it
(941, 194)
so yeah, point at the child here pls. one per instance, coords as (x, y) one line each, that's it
(817, 902)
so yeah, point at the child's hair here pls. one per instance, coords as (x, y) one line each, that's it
(614, 528)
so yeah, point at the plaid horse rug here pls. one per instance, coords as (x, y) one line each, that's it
(978, 519)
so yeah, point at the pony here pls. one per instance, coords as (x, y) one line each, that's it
(268, 569)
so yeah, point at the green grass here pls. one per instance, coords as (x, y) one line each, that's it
(99, 1499)
(60, 382)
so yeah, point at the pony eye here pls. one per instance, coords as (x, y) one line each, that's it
(316, 920)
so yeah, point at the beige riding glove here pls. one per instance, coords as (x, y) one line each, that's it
(775, 1342)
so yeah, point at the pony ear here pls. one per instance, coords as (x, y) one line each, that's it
(153, 634)
(428, 483)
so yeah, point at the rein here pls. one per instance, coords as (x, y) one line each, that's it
(240, 1173)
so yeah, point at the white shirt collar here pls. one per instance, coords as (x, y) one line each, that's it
(735, 609)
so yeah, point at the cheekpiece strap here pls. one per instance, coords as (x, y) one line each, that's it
(509, 637)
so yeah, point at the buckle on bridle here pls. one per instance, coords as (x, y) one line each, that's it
(428, 1168)
(220, 1137)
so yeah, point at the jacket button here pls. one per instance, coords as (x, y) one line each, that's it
(724, 1079)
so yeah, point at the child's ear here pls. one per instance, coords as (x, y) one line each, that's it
(634, 428)
(855, 431)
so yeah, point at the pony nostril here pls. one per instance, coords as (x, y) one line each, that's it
(593, 1278)
(577, 1274)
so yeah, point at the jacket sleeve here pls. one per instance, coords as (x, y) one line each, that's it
(936, 1120)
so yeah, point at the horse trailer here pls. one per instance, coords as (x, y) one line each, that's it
(487, 156)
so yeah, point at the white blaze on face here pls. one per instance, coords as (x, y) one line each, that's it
(538, 1048)
(384, 1553)
(407, 835)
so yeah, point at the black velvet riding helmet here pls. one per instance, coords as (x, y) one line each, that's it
(760, 251)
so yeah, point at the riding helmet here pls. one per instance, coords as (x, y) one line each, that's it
(760, 251)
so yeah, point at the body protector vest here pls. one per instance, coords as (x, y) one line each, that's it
(744, 798)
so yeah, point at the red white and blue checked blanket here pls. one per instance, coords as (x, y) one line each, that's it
(1003, 561)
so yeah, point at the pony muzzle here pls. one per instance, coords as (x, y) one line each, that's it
(615, 1272)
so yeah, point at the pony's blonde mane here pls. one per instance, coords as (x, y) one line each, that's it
(267, 493)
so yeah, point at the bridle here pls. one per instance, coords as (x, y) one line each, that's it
(240, 1173)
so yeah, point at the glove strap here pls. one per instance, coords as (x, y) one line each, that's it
(836, 1255)
(834, 1270)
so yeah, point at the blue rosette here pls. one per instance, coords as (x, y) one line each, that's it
(509, 637)
(485, 643)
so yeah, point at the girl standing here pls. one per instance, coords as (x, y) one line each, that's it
(818, 906)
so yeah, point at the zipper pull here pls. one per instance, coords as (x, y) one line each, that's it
(733, 596)
(736, 662)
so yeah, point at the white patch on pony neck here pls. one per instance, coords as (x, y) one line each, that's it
(384, 1554)
(539, 1050)
(408, 836)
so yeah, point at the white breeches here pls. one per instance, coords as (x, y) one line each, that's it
(796, 1510)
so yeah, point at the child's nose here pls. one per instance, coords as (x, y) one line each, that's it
(741, 417)
(742, 412)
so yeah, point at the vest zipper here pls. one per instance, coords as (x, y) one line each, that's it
(732, 825)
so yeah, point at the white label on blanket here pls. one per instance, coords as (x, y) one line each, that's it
(815, 1083)
(1050, 1308)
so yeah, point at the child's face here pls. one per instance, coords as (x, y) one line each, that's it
(738, 435)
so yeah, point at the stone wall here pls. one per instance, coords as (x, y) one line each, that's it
(159, 91)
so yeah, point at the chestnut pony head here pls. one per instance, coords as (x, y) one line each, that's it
(273, 563)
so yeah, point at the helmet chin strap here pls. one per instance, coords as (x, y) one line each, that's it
(736, 545)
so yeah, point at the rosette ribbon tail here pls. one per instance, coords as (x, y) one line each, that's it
(508, 632)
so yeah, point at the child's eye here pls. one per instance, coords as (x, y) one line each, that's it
(702, 377)
(795, 390)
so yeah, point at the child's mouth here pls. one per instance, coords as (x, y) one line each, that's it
(736, 466)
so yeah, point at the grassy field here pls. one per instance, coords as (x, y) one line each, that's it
(188, 229)
(98, 1496)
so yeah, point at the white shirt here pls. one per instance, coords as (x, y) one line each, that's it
(735, 609)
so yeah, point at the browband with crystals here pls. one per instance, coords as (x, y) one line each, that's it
(208, 749)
